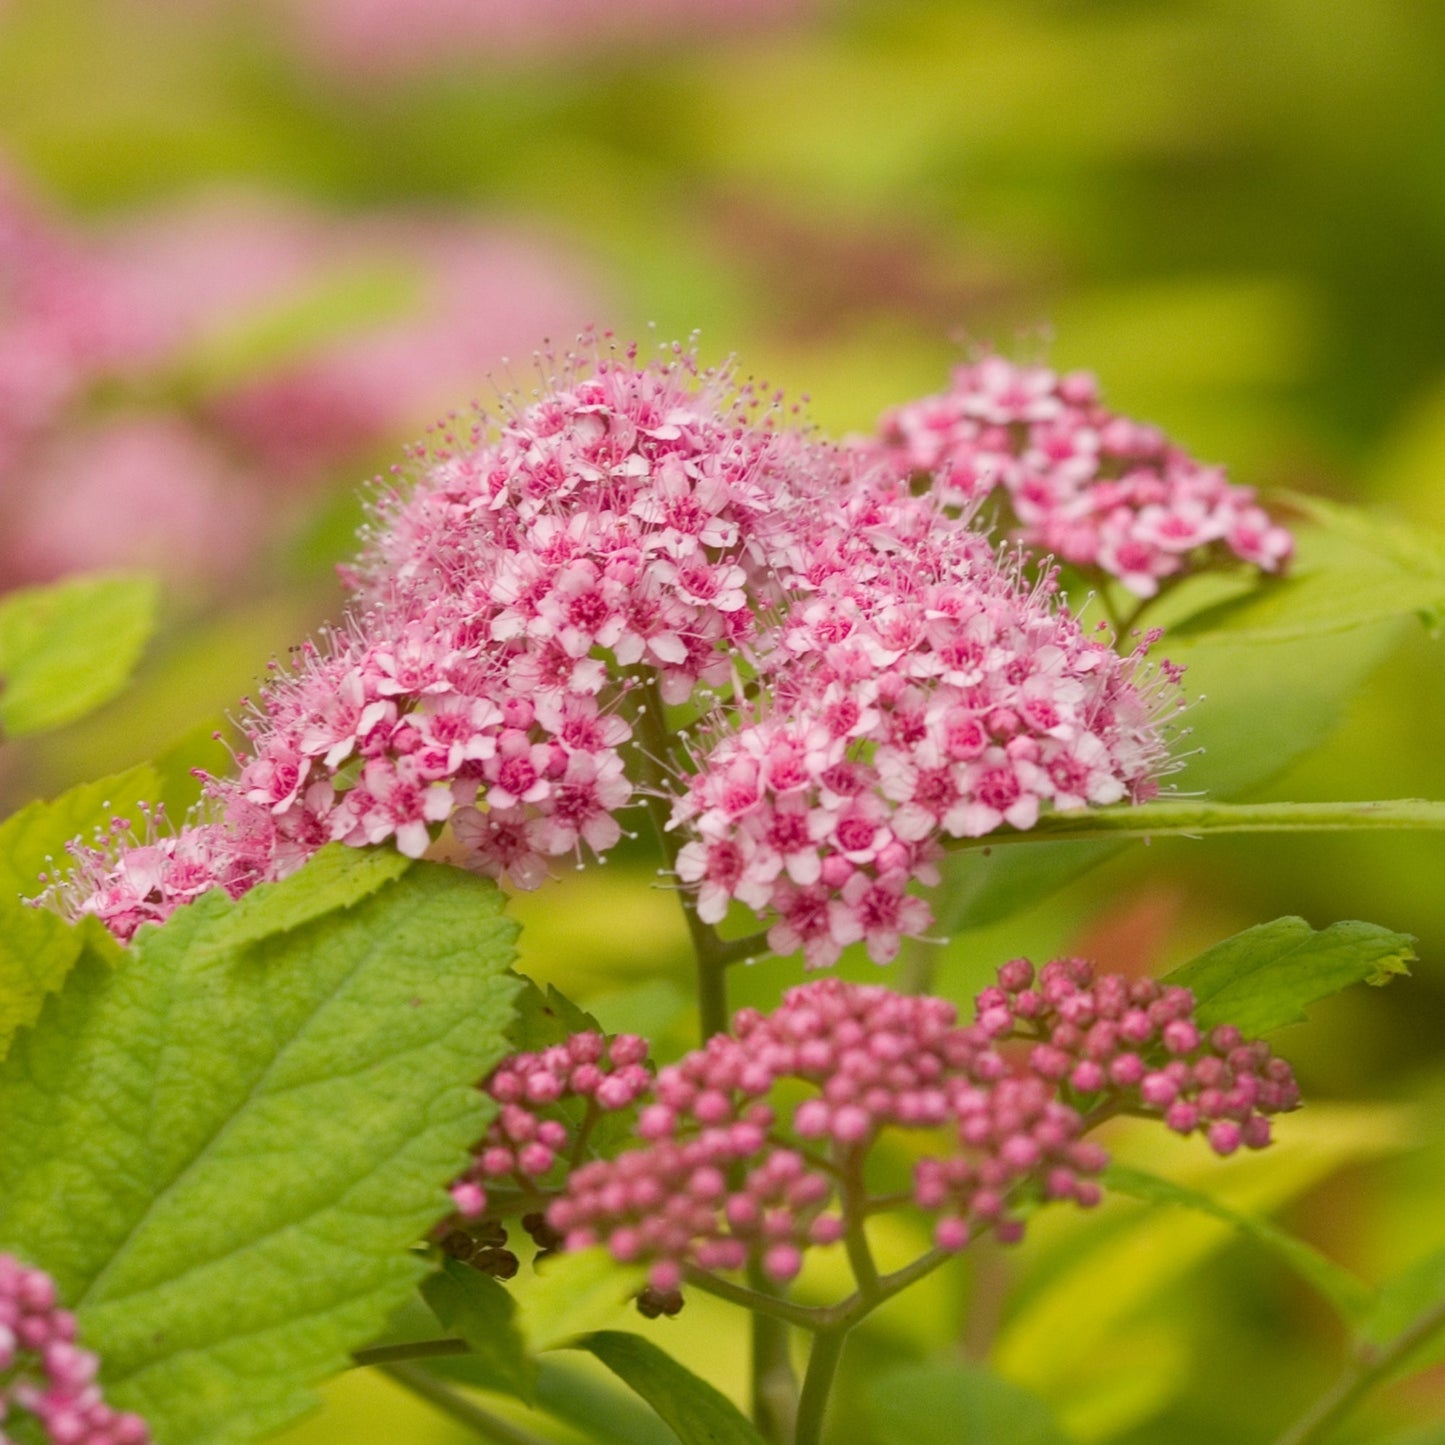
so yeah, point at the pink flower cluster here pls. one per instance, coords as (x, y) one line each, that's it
(643, 536)
(756, 1146)
(533, 1132)
(917, 691)
(1085, 484)
(44, 1375)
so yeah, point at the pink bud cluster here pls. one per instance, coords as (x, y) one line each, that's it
(1139, 1042)
(45, 1375)
(534, 1131)
(704, 1192)
(645, 535)
(1085, 484)
(756, 1147)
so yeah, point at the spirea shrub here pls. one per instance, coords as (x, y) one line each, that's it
(289, 1070)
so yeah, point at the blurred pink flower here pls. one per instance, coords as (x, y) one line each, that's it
(135, 491)
(250, 344)
(59, 322)
(472, 298)
(381, 39)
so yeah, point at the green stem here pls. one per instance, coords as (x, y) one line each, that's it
(774, 1385)
(414, 1350)
(1198, 819)
(712, 954)
(853, 1201)
(818, 1384)
(900, 1279)
(729, 951)
(1368, 1369)
(712, 998)
(463, 1411)
(804, 1316)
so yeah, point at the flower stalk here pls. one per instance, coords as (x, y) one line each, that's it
(1370, 1367)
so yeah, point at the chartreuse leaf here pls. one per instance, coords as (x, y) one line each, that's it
(1409, 547)
(337, 877)
(1357, 569)
(480, 1311)
(574, 1294)
(943, 1404)
(1268, 975)
(222, 1154)
(1341, 1288)
(67, 648)
(1093, 1283)
(37, 947)
(698, 1413)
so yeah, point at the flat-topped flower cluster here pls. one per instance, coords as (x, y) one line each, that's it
(863, 674)
(1085, 484)
(757, 1146)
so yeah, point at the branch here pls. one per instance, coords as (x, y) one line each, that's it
(750, 1299)
(414, 1350)
(1368, 1369)
(463, 1411)
(1200, 819)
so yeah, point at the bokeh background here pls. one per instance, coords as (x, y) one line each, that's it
(250, 248)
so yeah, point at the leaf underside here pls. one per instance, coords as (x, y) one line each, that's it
(1268, 975)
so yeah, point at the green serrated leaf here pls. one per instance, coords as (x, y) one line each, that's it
(246, 1141)
(1343, 1290)
(1268, 975)
(335, 878)
(480, 1311)
(943, 1404)
(544, 1019)
(37, 947)
(67, 648)
(698, 1413)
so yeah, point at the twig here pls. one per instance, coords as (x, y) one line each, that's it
(1368, 1369)
(463, 1411)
